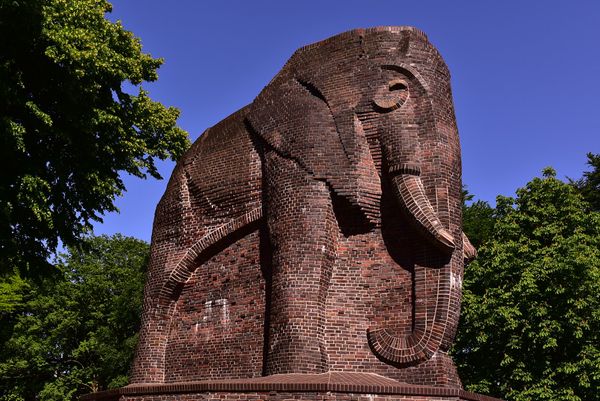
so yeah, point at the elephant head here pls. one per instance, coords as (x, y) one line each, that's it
(412, 112)
(386, 92)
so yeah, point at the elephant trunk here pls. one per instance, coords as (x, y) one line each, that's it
(433, 286)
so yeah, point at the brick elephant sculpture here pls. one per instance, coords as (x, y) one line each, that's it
(340, 185)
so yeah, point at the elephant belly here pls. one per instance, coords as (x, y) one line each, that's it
(216, 331)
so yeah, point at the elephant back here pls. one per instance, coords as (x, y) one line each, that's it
(223, 170)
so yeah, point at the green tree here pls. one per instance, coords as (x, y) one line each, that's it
(12, 288)
(589, 184)
(531, 312)
(478, 219)
(75, 332)
(68, 127)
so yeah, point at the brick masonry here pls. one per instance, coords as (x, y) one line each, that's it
(315, 232)
(322, 387)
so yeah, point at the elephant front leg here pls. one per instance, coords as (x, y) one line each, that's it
(302, 232)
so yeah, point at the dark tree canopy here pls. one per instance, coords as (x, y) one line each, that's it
(75, 331)
(478, 219)
(67, 126)
(589, 184)
(531, 312)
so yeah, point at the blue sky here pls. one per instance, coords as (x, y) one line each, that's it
(525, 76)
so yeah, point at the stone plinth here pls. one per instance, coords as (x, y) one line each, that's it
(313, 387)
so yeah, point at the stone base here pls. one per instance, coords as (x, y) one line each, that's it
(333, 386)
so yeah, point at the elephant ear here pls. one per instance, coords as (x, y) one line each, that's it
(293, 117)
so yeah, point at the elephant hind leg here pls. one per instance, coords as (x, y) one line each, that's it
(302, 231)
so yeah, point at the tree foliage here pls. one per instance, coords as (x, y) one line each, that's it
(589, 184)
(478, 219)
(531, 312)
(67, 125)
(75, 331)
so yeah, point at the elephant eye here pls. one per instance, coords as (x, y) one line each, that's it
(393, 96)
(398, 85)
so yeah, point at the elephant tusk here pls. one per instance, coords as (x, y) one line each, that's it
(415, 203)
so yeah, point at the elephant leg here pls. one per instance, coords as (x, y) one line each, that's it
(302, 229)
